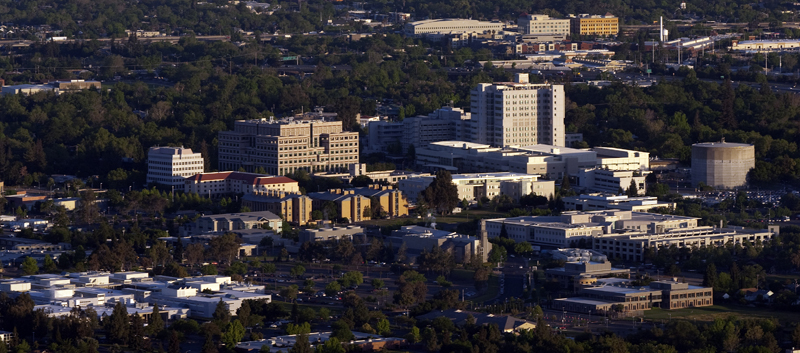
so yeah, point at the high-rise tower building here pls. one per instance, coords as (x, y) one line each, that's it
(518, 113)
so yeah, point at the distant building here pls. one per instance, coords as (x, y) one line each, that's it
(595, 25)
(611, 181)
(236, 221)
(224, 183)
(619, 234)
(542, 24)
(614, 292)
(418, 239)
(293, 207)
(171, 166)
(577, 274)
(444, 124)
(284, 146)
(591, 202)
(472, 187)
(378, 176)
(57, 87)
(768, 45)
(451, 25)
(330, 233)
(346, 202)
(722, 165)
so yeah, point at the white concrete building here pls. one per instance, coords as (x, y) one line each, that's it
(542, 24)
(610, 181)
(766, 45)
(473, 187)
(620, 234)
(445, 124)
(518, 113)
(172, 165)
(591, 202)
(451, 25)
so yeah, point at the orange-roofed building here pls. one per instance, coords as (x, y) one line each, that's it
(225, 183)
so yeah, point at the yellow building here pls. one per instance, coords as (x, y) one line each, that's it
(348, 204)
(595, 25)
(292, 207)
(391, 201)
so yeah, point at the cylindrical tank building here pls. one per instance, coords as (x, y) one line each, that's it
(722, 165)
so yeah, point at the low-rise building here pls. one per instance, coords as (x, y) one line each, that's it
(347, 204)
(418, 239)
(620, 234)
(385, 201)
(542, 24)
(236, 221)
(577, 274)
(475, 186)
(225, 183)
(591, 202)
(615, 295)
(293, 207)
(331, 233)
(451, 25)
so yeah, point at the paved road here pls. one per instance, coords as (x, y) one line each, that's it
(638, 78)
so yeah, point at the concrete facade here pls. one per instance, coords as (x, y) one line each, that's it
(171, 166)
(451, 25)
(591, 202)
(224, 183)
(595, 25)
(473, 187)
(722, 165)
(542, 24)
(284, 146)
(518, 113)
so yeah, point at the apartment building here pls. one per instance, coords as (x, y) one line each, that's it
(595, 25)
(171, 166)
(388, 199)
(294, 207)
(473, 187)
(620, 234)
(348, 204)
(542, 24)
(284, 146)
(225, 183)
(518, 113)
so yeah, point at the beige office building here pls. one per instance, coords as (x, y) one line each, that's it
(285, 146)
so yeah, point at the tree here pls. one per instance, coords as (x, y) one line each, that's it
(301, 344)
(155, 324)
(136, 334)
(441, 194)
(209, 346)
(297, 271)
(497, 255)
(361, 181)
(411, 289)
(29, 266)
(233, 334)
(383, 327)
(194, 253)
(244, 314)
(341, 331)
(174, 342)
(378, 283)
(710, 277)
(633, 189)
(289, 292)
(333, 288)
(224, 248)
(221, 315)
(414, 336)
(330, 346)
(49, 265)
(352, 278)
(116, 324)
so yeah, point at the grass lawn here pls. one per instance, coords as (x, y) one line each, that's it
(710, 313)
(491, 292)
(460, 274)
